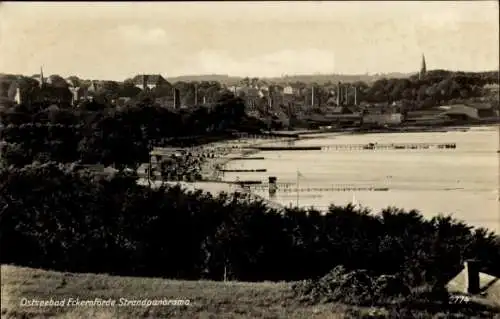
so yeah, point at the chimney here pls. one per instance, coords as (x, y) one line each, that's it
(471, 276)
(312, 96)
(177, 99)
(195, 94)
(346, 95)
(144, 82)
(17, 98)
(339, 92)
(355, 95)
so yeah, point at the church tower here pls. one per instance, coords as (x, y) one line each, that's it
(423, 68)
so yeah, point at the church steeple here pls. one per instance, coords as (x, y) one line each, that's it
(42, 80)
(423, 68)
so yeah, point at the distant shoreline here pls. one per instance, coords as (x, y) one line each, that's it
(401, 130)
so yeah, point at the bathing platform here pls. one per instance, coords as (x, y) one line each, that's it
(356, 147)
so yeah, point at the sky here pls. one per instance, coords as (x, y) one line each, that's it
(115, 41)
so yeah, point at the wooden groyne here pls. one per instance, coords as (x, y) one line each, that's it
(358, 147)
(258, 170)
(287, 148)
(245, 158)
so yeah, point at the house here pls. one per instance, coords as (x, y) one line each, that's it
(294, 89)
(484, 110)
(480, 286)
(252, 95)
(148, 81)
(78, 92)
(461, 112)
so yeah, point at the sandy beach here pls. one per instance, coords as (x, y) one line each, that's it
(223, 153)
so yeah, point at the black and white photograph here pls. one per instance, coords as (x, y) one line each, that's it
(250, 159)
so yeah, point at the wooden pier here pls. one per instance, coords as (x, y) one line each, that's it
(392, 146)
(334, 188)
(360, 147)
(287, 148)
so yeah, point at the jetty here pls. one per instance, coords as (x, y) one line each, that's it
(360, 147)
(392, 146)
(334, 188)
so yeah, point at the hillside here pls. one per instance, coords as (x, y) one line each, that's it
(208, 299)
(199, 299)
(306, 78)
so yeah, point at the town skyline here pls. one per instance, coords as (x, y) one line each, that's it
(268, 41)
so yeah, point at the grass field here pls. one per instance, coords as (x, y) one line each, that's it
(207, 299)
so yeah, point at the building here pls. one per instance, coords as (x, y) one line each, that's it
(78, 92)
(288, 90)
(478, 286)
(252, 96)
(148, 81)
(461, 112)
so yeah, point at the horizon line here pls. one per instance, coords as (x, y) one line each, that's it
(283, 76)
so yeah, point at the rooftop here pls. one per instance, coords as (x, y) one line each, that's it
(149, 79)
(489, 286)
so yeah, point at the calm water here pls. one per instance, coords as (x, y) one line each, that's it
(463, 181)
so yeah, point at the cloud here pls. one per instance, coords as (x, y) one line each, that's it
(449, 20)
(142, 35)
(270, 64)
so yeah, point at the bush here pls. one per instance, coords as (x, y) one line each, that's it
(357, 287)
(72, 221)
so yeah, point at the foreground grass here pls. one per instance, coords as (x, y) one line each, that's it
(207, 299)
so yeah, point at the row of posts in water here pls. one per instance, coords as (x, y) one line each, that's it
(375, 146)
(272, 187)
(369, 146)
(265, 136)
(320, 189)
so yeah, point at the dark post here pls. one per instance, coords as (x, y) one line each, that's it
(150, 148)
(472, 276)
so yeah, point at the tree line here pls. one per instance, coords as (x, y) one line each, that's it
(98, 133)
(58, 218)
(436, 87)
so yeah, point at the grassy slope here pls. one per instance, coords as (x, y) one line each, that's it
(208, 299)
